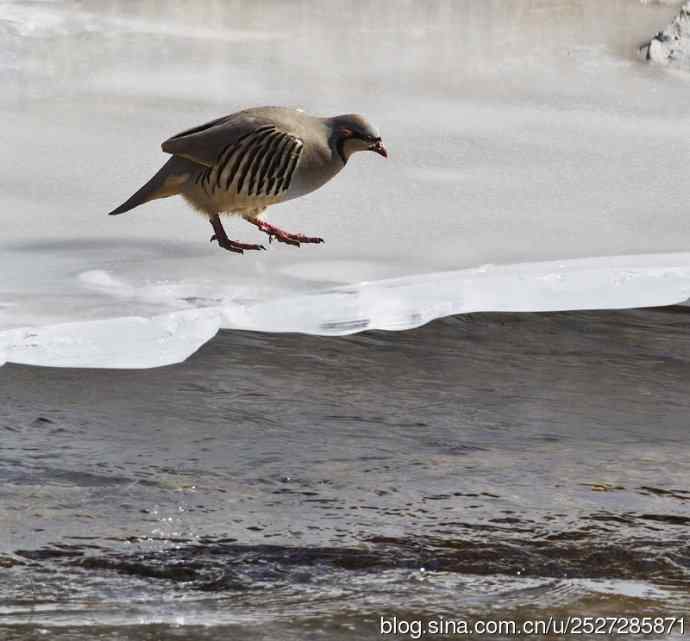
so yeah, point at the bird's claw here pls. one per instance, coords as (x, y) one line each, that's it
(288, 240)
(281, 236)
(236, 247)
(308, 239)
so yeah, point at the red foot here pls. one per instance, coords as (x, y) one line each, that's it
(283, 236)
(233, 246)
(225, 242)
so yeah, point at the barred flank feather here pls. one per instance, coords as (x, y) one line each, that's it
(259, 164)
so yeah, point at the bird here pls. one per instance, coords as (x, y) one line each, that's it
(249, 160)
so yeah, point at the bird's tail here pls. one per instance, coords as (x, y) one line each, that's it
(166, 182)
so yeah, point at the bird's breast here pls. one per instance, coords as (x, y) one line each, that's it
(314, 171)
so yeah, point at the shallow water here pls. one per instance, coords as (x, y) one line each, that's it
(296, 487)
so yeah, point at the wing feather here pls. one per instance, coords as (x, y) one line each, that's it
(249, 155)
(205, 144)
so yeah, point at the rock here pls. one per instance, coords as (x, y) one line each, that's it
(8, 562)
(672, 45)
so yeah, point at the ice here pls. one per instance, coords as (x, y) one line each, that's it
(392, 304)
(126, 342)
(526, 137)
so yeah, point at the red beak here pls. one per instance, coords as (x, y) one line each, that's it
(379, 149)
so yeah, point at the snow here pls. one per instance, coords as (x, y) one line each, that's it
(672, 45)
(528, 138)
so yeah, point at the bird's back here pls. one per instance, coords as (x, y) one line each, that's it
(255, 158)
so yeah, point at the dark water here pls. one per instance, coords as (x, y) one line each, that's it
(296, 487)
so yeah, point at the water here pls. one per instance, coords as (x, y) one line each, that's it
(299, 487)
(518, 134)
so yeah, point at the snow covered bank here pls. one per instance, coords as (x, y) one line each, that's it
(672, 45)
(391, 304)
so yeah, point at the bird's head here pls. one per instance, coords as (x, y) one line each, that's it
(352, 133)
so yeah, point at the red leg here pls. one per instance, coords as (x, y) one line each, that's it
(225, 242)
(283, 236)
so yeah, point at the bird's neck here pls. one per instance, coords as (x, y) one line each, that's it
(339, 146)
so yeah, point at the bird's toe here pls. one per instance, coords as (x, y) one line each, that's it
(301, 238)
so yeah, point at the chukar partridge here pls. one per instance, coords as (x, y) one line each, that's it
(249, 160)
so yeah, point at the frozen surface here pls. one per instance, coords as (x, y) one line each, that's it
(395, 304)
(525, 138)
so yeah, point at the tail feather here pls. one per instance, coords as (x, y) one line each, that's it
(166, 182)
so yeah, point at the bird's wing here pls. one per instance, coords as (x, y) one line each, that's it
(255, 154)
(204, 143)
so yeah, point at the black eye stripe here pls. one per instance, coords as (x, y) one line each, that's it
(366, 138)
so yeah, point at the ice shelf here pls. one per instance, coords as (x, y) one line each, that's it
(390, 304)
(527, 137)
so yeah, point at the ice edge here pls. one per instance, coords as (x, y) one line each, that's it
(393, 304)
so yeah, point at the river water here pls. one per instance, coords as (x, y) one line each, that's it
(295, 487)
